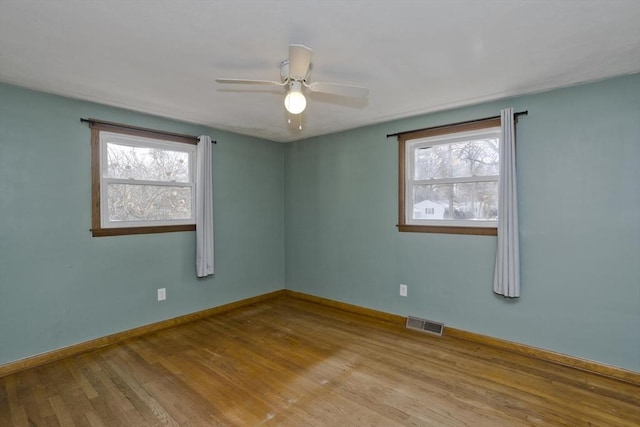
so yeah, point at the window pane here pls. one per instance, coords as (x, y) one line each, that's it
(471, 201)
(148, 202)
(457, 160)
(144, 163)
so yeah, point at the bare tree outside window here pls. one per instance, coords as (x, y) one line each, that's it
(141, 199)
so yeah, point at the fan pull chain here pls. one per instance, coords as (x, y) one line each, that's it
(299, 121)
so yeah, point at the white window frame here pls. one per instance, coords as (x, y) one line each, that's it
(145, 142)
(411, 148)
(444, 134)
(136, 136)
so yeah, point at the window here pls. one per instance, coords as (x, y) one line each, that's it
(143, 182)
(448, 179)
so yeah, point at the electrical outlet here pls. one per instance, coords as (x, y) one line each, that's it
(403, 290)
(162, 294)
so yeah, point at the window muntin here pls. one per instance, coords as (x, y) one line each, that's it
(431, 179)
(145, 182)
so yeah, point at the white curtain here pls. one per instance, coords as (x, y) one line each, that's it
(506, 279)
(204, 208)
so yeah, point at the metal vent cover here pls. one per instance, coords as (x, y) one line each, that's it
(424, 325)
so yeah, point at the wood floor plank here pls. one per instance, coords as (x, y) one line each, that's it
(62, 413)
(93, 420)
(289, 362)
(16, 414)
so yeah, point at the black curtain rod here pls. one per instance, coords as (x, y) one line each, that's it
(516, 115)
(162, 132)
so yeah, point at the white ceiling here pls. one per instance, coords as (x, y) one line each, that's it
(162, 57)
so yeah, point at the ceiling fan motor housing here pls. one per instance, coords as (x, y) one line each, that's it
(285, 77)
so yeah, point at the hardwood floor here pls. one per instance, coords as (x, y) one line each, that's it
(287, 362)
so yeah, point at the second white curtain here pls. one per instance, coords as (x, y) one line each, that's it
(204, 208)
(506, 279)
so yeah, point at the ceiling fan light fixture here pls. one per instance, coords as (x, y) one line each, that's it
(294, 74)
(295, 102)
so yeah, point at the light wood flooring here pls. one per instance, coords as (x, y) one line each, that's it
(287, 362)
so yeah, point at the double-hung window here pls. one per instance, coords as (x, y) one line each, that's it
(448, 180)
(142, 182)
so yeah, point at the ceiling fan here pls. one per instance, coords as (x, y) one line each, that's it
(294, 74)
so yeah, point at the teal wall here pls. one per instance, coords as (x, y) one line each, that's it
(334, 198)
(59, 286)
(579, 186)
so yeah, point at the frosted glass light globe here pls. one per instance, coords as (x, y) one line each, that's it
(295, 102)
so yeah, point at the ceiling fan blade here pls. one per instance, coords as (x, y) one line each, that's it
(338, 89)
(250, 82)
(299, 60)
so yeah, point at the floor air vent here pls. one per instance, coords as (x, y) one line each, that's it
(424, 325)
